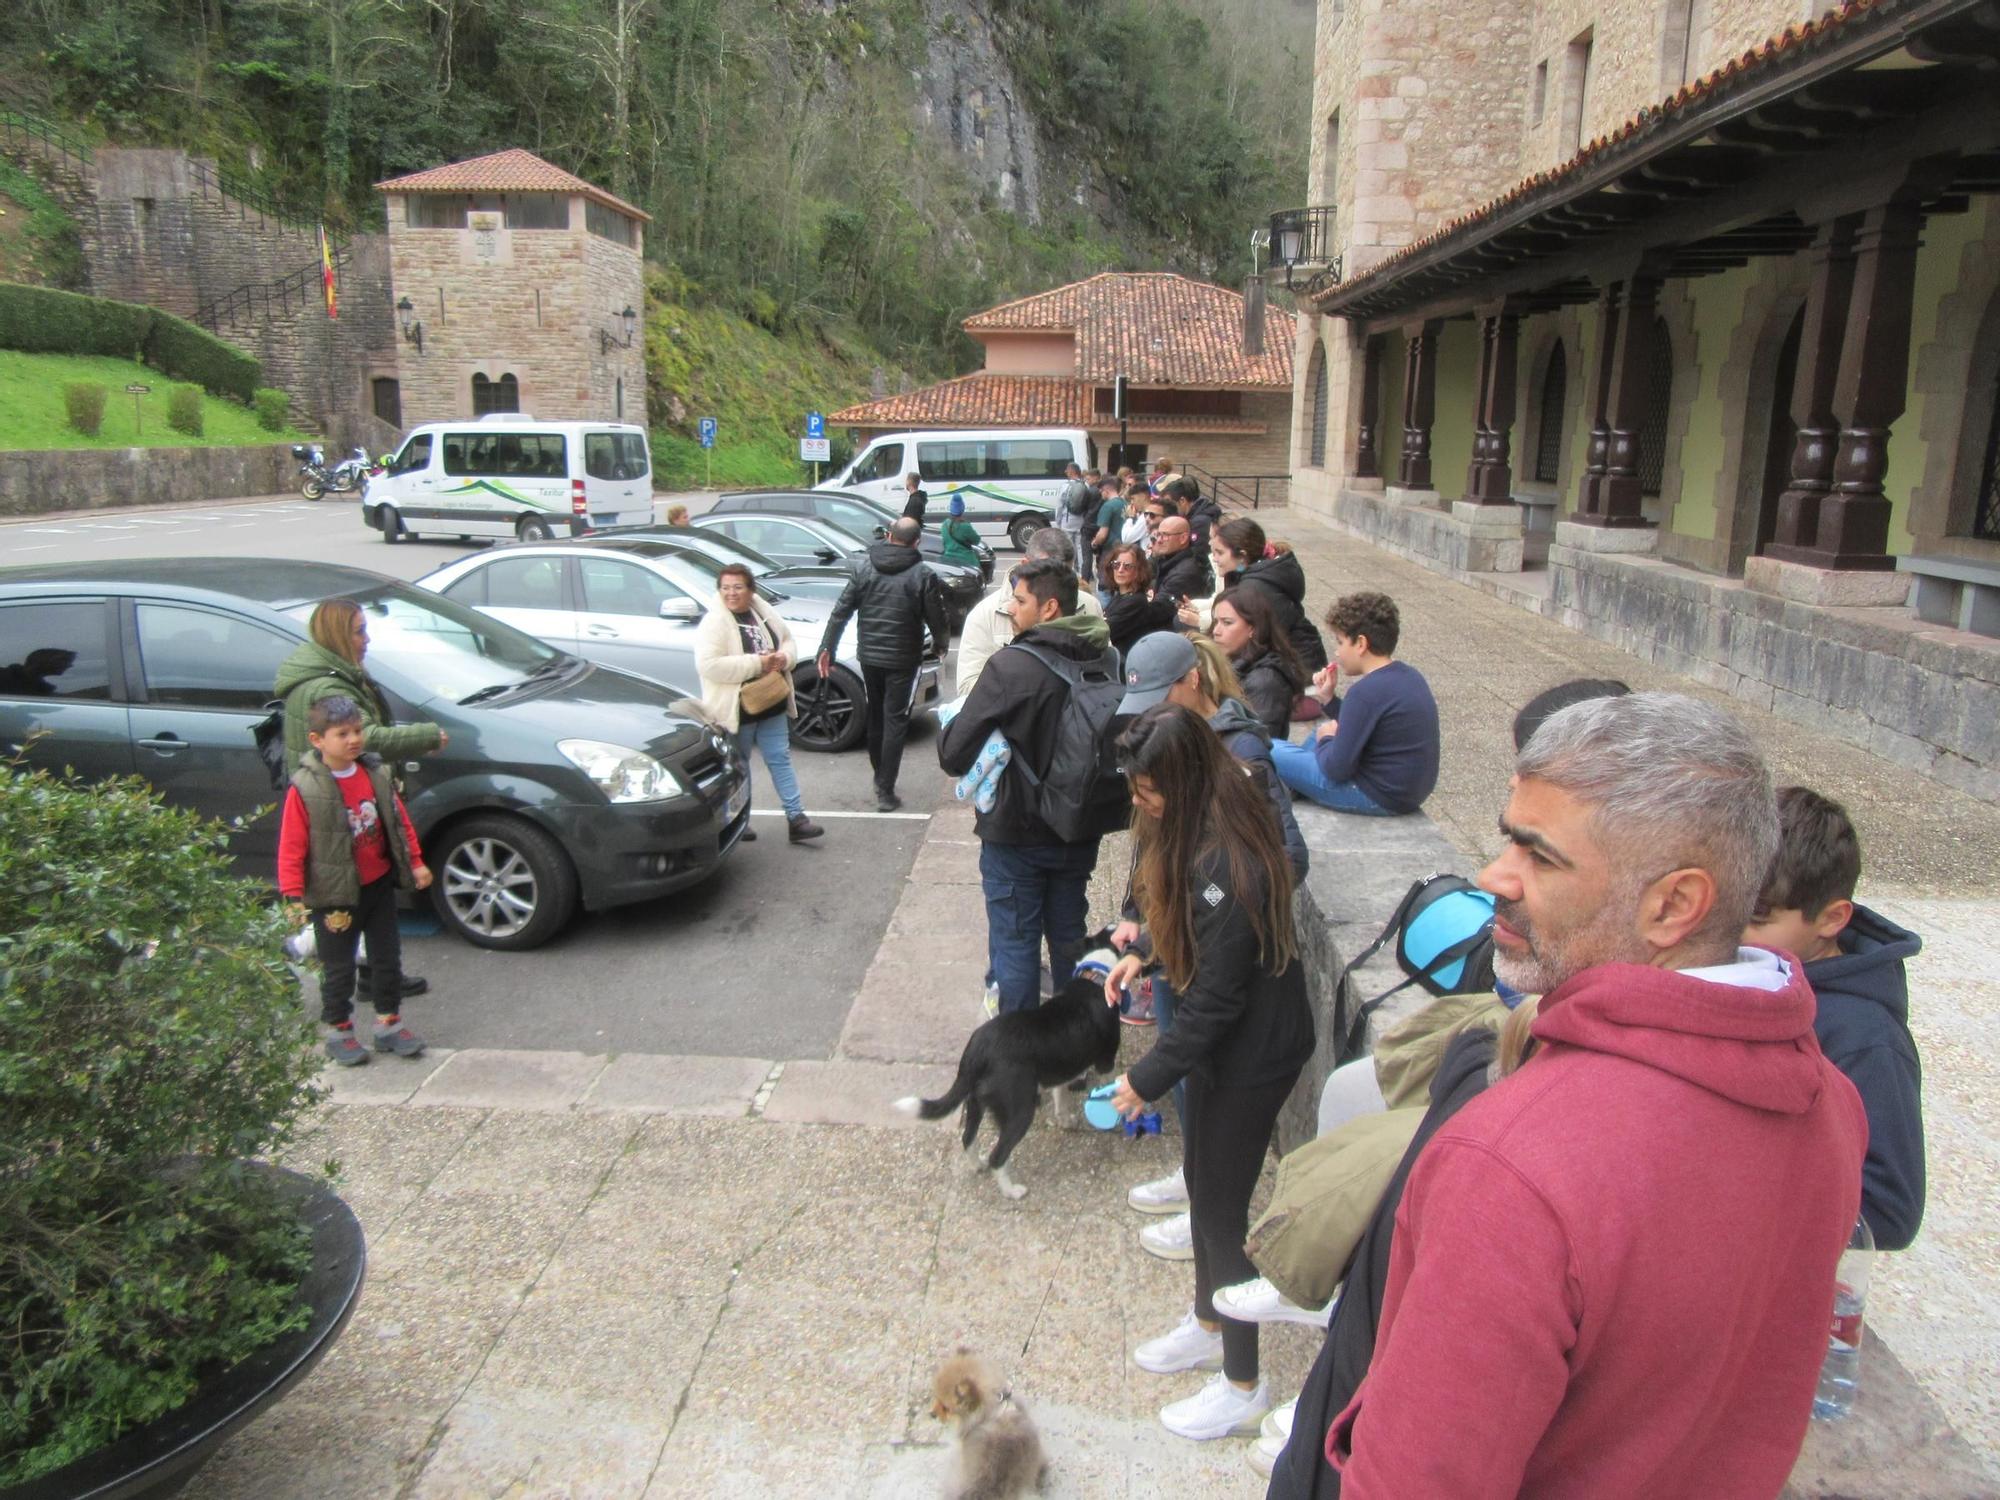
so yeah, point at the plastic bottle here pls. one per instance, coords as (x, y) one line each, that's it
(1840, 1376)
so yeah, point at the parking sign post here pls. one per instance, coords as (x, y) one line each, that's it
(814, 448)
(708, 452)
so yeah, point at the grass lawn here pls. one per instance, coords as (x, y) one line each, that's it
(32, 414)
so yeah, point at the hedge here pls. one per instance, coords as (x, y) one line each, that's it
(184, 413)
(84, 401)
(273, 408)
(38, 320)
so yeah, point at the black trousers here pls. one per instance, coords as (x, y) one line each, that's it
(375, 916)
(891, 692)
(1228, 1132)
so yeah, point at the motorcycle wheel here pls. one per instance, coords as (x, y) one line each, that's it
(312, 489)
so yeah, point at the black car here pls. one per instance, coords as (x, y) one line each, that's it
(801, 539)
(563, 783)
(856, 513)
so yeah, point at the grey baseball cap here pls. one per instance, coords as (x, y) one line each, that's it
(1154, 664)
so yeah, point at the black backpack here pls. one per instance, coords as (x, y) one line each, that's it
(1443, 928)
(1079, 499)
(1082, 794)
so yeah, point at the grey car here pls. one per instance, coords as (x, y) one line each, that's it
(563, 783)
(801, 540)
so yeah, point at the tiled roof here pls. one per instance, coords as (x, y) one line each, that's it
(511, 171)
(1783, 50)
(1155, 327)
(985, 400)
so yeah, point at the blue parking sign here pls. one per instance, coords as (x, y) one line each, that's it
(815, 424)
(708, 432)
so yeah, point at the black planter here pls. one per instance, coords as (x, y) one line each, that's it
(158, 1459)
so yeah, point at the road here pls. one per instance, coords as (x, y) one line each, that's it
(763, 961)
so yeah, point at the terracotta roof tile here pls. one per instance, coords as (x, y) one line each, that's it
(511, 171)
(986, 400)
(1735, 73)
(1156, 327)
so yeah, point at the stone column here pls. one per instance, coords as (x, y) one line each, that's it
(1419, 406)
(1812, 389)
(1490, 479)
(1367, 463)
(1588, 501)
(1618, 492)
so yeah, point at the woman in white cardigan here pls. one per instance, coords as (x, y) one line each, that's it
(738, 646)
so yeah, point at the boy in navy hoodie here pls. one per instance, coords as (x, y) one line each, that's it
(1854, 962)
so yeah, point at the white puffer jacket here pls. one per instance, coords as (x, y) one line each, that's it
(725, 666)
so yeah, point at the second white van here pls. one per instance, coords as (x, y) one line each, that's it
(1009, 477)
(506, 474)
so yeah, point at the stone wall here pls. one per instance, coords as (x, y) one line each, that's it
(37, 482)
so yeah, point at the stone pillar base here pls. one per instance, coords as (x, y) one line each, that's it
(1582, 538)
(1488, 520)
(1372, 484)
(1396, 494)
(1835, 588)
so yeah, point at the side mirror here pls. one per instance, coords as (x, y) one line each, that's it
(881, 533)
(684, 610)
(826, 554)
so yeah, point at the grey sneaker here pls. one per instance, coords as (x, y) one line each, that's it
(342, 1047)
(400, 1040)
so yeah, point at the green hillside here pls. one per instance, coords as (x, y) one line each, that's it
(32, 415)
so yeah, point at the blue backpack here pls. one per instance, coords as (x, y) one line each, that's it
(1443, 929)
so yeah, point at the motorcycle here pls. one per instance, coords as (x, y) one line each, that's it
(351, 473)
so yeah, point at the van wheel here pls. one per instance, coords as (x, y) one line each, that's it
(533, 529)
(1023, 527)
(391, 524)
(831, 720)
(503, 883)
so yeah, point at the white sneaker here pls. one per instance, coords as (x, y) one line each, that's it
(1170, 1239)
(1217, 1410)
(1279, 1423)
(1164, 1195)
(1264, 1453)
(990, 1002)
(1189, 1347)
(1258, 1301)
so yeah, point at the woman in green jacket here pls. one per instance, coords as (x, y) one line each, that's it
(329, 665)
(961, 542)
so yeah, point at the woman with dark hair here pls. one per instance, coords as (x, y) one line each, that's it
(1129, 607)
(328, 665)
(1242, 555)
(1214, 887)
(1243, 624)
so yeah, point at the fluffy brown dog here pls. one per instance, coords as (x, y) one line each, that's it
(999, 1451)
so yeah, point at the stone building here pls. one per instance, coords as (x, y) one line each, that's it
(1195, 396)
(1691, 310)
(517, 288)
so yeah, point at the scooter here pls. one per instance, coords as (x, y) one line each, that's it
(351, 473)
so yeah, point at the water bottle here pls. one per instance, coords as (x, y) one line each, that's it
(1840, 1376)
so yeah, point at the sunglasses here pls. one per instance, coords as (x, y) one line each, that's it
(1122, 564)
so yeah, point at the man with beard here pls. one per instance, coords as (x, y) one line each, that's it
(1611, 1272)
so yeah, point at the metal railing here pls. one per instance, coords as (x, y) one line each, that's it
(304, 286)
(35, 137)
(227, 185)
(1302, 239)
(1241, 491)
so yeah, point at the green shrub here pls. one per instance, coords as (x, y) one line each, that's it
(274, 408)
(184, 409)
(85, 402)
(151, 1038)
(37, 320)
(178, 348)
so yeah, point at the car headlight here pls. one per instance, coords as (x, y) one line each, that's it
(622, 773)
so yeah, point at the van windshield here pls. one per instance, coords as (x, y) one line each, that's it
(425, 646)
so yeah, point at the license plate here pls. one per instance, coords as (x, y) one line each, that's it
(738, 800)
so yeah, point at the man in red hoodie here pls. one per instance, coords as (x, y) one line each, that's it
(1612, 1273)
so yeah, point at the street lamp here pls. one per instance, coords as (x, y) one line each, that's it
(607, 340)
(1291, 236)
(413, 331)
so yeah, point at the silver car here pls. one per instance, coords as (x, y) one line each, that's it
(637, 610)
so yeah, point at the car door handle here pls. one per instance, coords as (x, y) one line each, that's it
(602, 632)
(167, 744)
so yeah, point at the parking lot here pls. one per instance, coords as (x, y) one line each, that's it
(763, 960)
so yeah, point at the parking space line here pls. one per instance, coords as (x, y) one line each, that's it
(878, 817)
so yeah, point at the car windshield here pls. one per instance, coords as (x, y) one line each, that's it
(429, 647)
(710, 569)
(713, 542)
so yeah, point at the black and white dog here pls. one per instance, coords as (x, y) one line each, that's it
(1010, 1059)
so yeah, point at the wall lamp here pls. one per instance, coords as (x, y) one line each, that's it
(413, 331)
(606, 340)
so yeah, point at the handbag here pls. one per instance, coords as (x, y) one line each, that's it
(766, 692)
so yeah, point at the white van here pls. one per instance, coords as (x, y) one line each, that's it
(505, 474)
(1009, 477)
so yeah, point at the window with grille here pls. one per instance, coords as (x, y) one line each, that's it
(1986, 516)
(1653, 431)
(503, 394)
(435, 210)
(608, 223)
(537, 211)
(1318, 458)
(1549, 440)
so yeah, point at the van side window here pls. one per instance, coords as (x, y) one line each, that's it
(529, 455)
(54, 651)
(886, 462)
(1028, 458)
(615, 455)
(416, 455)
(193, 658)
(952, 461)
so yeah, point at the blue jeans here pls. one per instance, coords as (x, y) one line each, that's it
(1163, 1019)
(1298, 768)
(773, 736)
(1034, 892)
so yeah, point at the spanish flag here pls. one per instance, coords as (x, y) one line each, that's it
(326, 272)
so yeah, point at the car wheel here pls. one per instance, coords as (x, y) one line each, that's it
(533, 529)
(1021, 528)
(830, 718)
(391, 524)
(503, 883)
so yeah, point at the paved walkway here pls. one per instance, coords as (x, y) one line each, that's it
(698, 1276)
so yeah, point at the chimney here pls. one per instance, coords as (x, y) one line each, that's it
(1253, 317)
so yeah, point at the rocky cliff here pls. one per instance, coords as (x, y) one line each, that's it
(967, 92)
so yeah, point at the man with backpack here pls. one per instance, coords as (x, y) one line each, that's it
(1053, 695)
(1076, 511)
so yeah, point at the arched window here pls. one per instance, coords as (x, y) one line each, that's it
(1549, 440)
(1986, 512)
(503, 394)
(1317, 459)
(1659, 394)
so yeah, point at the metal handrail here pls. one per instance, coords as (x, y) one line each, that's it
(1228, 489)
(227, 185)
(19, 128)
(305, 284)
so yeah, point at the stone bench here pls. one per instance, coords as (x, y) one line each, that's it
(1958, 591)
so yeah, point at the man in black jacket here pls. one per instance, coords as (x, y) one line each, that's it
(1180, 569)
(1036, 884)
(899, 600)
(1203, 514)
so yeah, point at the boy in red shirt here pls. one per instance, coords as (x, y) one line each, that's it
(345, 845)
